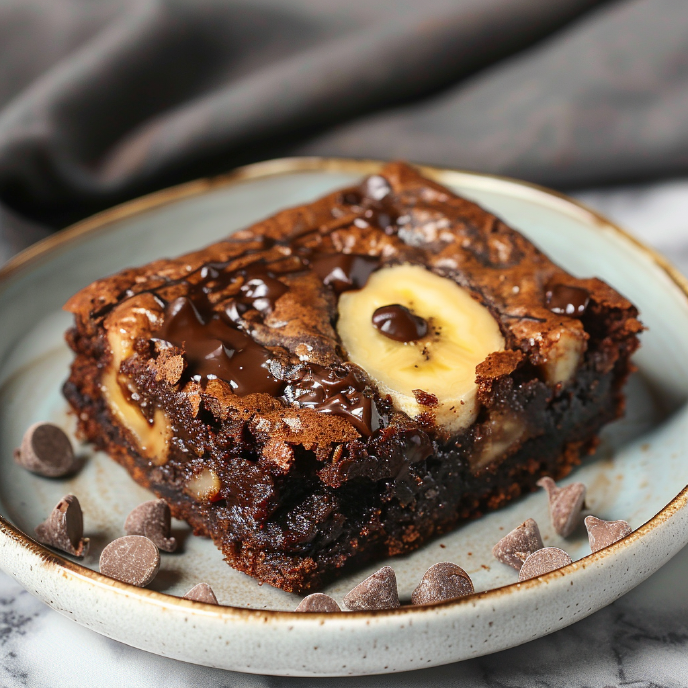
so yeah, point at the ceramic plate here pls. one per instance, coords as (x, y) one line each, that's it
(640, 468)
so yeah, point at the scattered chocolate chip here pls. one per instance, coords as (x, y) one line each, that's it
(604, 533)
(378, 591)
(564, 300)
(201, 593)
(543, 561)
(443, 581)
(152, 519)
(64, 528)
(515, 547)
(131, 559)
(317, 602)
(46, 450)
(565, 505)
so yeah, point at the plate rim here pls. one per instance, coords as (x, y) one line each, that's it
(104, 220)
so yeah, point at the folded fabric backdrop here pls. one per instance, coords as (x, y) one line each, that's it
(102, 100)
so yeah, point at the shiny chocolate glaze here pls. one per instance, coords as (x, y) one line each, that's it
(398, 323)
(338, 391)
(344, 271)
(216, 349)
(260, 289)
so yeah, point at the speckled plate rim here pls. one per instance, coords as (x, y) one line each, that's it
(33, 256)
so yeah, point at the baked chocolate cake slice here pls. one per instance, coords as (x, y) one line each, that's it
(349, 378)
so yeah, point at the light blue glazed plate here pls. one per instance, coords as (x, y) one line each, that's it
(640, 468)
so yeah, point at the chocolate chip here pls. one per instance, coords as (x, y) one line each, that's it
(152, 519)
(443, 581)
(565, 505)
(378, 591)
(543, 561)
(604, 533)
(64, 528)
(46, 450)
(131, 559)
(398, 323)
(317, 602)
(201, 593)
(515, 547)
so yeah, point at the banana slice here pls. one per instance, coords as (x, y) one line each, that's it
(139, 314)
(436, 372)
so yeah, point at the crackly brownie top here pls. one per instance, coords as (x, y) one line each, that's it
(247, 326)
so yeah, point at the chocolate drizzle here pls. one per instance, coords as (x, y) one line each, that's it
(398, 323)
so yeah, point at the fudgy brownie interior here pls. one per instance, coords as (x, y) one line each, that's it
(346, 379)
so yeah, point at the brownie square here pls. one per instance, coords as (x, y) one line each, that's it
(237, 384)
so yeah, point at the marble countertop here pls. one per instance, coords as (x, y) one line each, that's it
(639, 641)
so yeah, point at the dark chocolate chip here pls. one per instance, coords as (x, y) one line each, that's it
(378, 591)
(398, 323)
(543, 561)
(317, 602)
(64, 528)
(46, 450)
(604, 533)
(515, 547)
(565, 505)
(132, 559)
(443, 581)
(152, 519)
(564, 300)
(201, 593)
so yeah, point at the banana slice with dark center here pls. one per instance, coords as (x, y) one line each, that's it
(441, 363)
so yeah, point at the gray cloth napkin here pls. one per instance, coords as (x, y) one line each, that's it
(102, 100)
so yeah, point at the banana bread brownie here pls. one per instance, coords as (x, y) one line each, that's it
(349, 378)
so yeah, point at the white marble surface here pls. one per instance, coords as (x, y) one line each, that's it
(639, 641)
